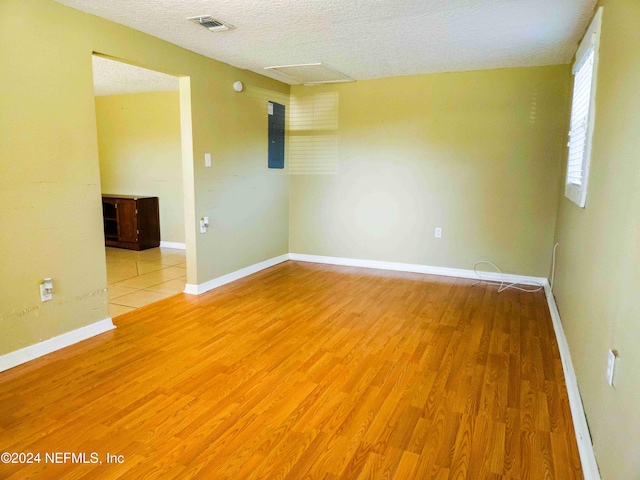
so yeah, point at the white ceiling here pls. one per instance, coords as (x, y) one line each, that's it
(364, 39)
(114, 78)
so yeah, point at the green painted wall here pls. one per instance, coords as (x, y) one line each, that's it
(598, 274)
(378, 165)
(51, 222)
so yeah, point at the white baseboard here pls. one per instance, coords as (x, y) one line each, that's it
(230, 277)
(26, 354)
(415, 268)
(190, 289)
(176, 245)
(585, 445)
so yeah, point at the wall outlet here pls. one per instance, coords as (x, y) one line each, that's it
(438, 232)
(611, 364)
(204, 224)
(45, 293)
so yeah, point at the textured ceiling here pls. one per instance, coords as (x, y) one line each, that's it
(364, 38)
(114, 78)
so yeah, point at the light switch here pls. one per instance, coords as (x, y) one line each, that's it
(207, 159)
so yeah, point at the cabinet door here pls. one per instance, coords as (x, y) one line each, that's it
(127, 223)
(110, 216)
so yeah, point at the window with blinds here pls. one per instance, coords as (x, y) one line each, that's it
(580, 121)
(583, 113)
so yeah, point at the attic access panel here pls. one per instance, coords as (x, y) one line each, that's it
(311, 73)
(276, 135)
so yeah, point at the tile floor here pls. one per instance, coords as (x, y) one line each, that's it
(140, 278)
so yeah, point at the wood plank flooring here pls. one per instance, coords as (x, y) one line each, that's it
(305, 371)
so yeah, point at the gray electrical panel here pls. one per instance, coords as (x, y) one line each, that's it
(276, 135)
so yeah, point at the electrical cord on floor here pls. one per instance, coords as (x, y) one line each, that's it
(529, 287)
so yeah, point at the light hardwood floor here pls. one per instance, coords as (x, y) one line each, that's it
(306, 371)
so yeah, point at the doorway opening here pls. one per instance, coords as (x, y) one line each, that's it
(146, 176)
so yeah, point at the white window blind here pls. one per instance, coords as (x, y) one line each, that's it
(585, 71)
(580, 120)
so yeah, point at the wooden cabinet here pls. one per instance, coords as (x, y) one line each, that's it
(131, 222)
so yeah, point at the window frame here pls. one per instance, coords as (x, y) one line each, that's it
(590, 42)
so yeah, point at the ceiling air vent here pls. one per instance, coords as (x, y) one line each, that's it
(211, 23)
